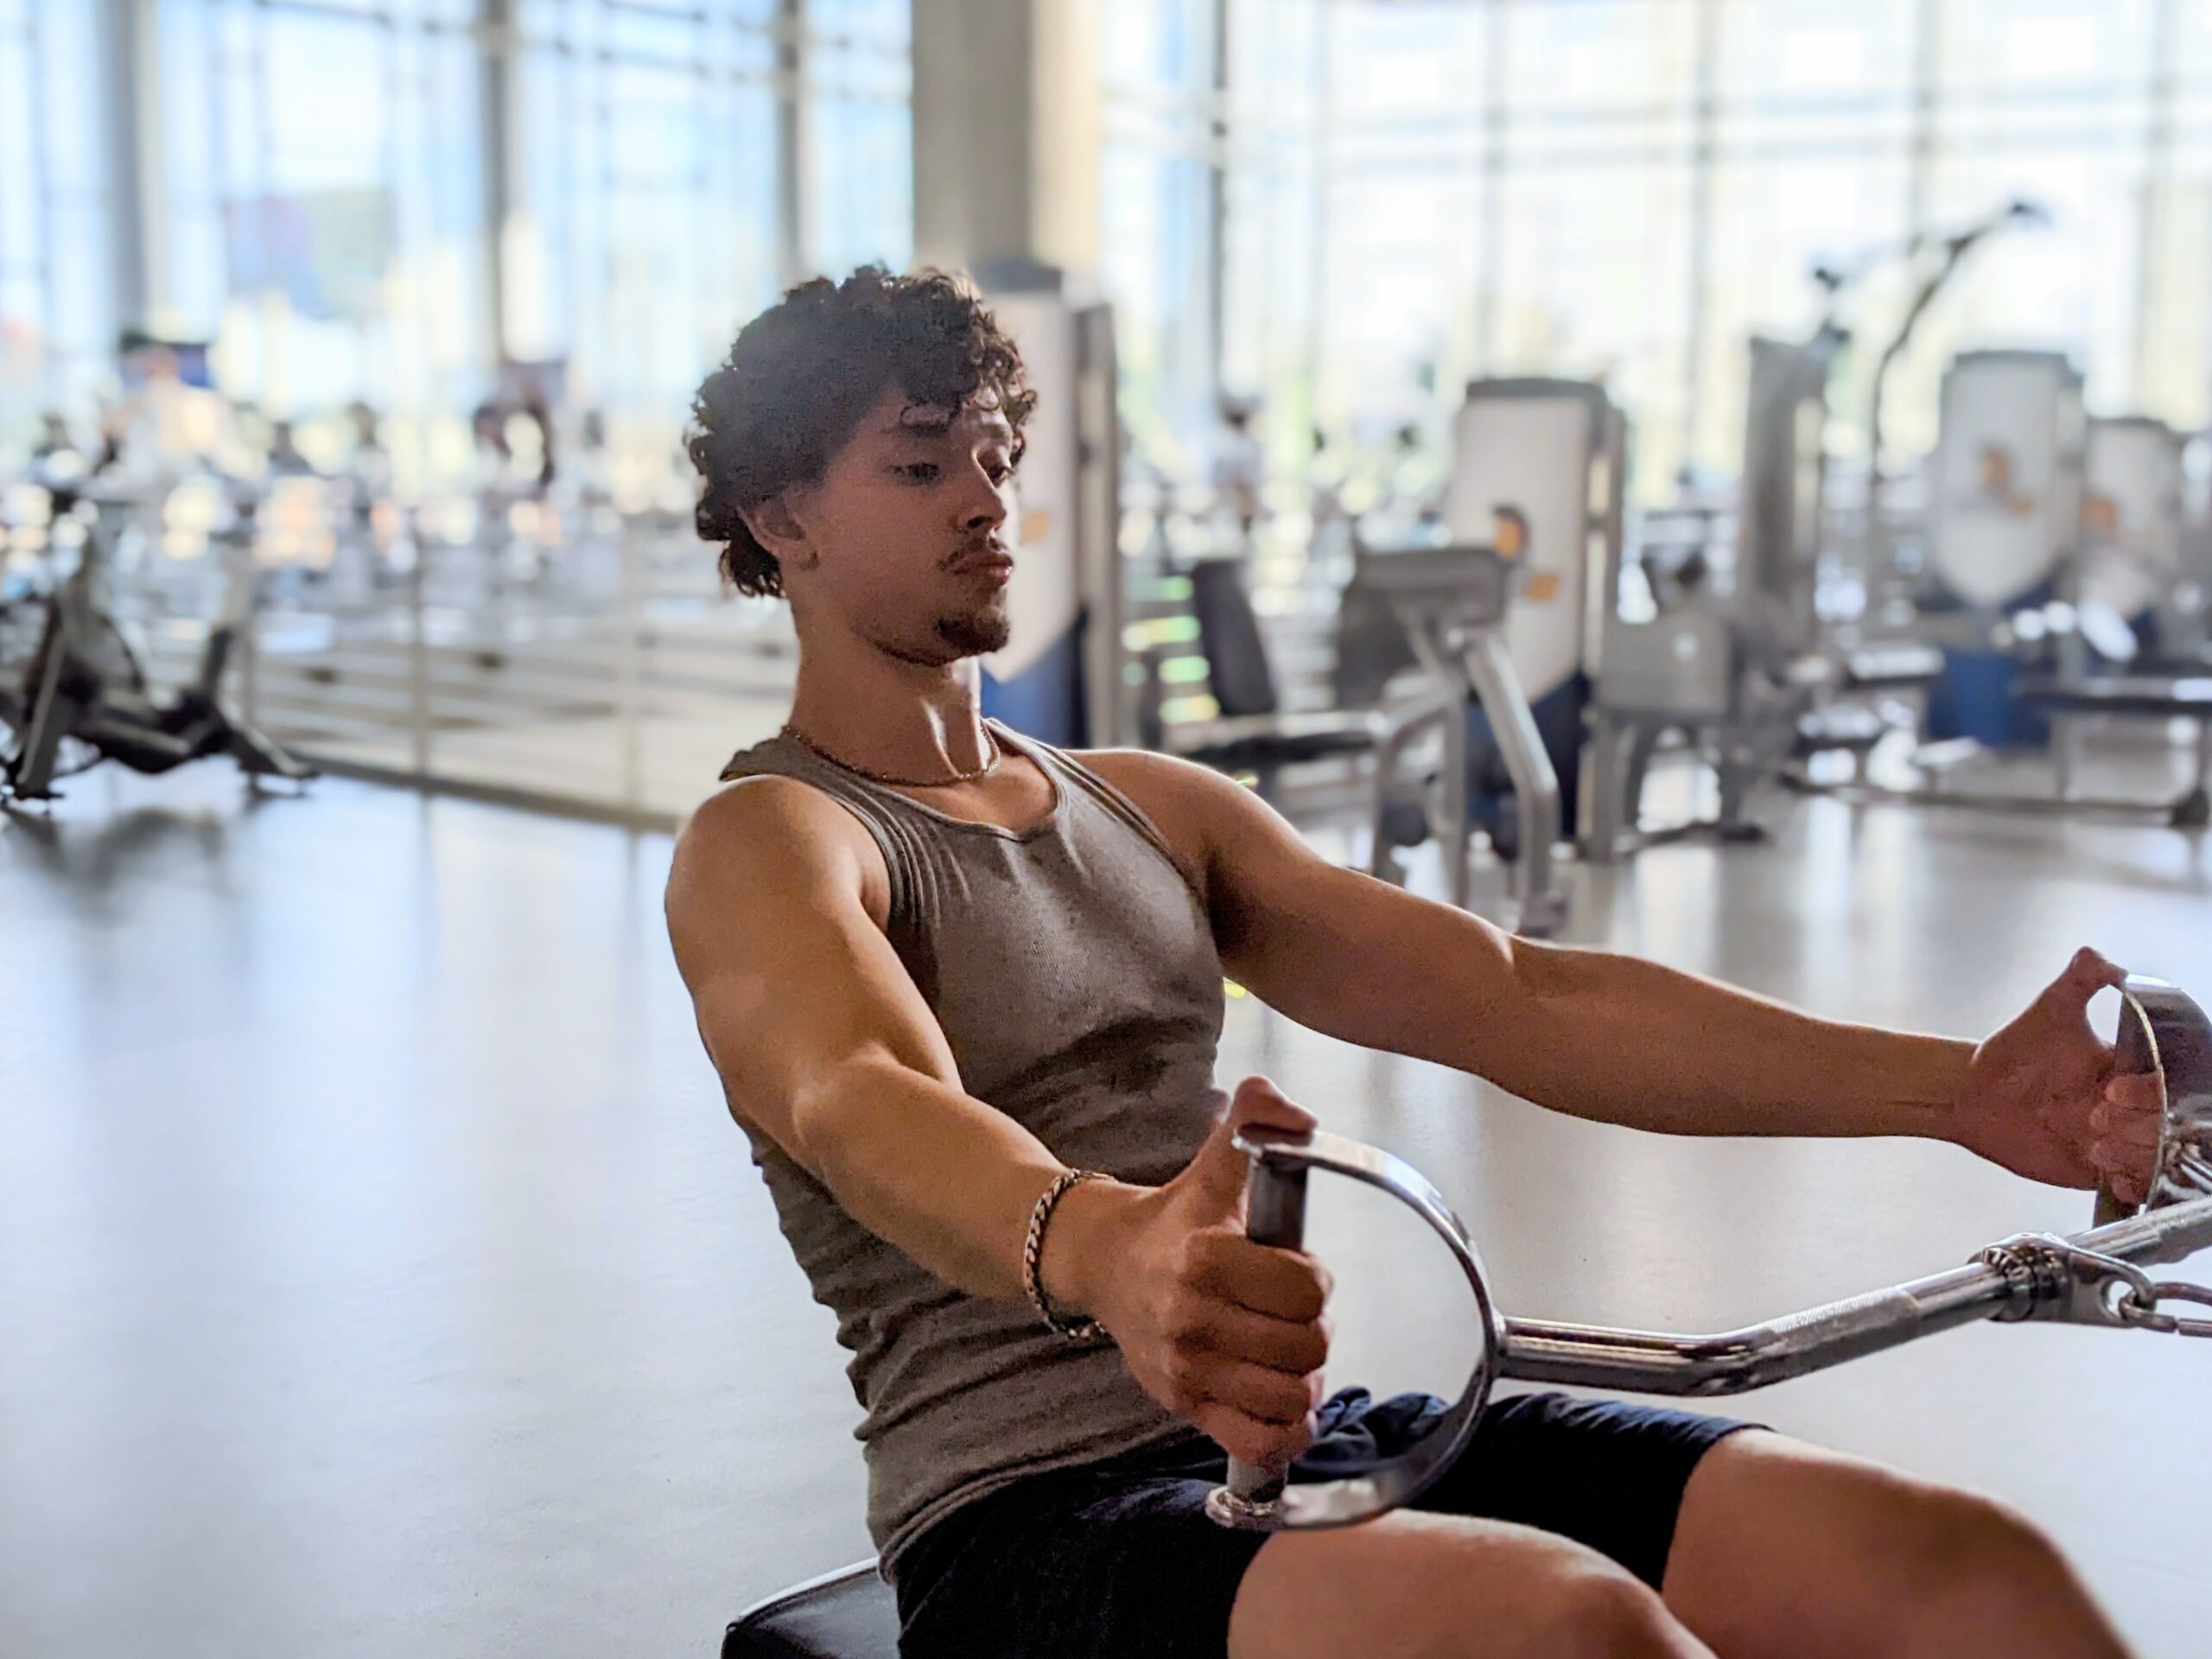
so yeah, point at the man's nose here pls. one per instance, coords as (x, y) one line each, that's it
(982, 503)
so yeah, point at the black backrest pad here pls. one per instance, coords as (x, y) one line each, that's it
(1237, 661)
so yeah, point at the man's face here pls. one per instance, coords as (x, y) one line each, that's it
(906, 535)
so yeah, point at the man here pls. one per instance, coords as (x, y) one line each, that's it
(944, 970)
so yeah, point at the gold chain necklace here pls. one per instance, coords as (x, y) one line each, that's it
(970, 777)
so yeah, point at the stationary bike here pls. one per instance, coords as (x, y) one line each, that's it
(81, 695)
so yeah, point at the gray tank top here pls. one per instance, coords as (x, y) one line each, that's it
(1073, 971)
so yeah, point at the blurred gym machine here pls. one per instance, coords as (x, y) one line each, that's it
(2141, 595)
(1060, 675)
(1456, 605)
(1538, 467)
(1738, 672)
(1727, 672)
(1758, 685)
(2140, 562)
(1420, 648)
(2045, 584)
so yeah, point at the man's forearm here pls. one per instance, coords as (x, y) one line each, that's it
(952, 1181)
(1626, 1041)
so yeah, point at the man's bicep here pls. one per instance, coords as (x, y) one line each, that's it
(791, 979)
(1286, 921)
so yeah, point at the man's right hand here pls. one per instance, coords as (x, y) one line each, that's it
(1228, 1335)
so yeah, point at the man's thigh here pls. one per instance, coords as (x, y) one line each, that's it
(1414, 1585)
(1579, 1496)
(1549, 1536)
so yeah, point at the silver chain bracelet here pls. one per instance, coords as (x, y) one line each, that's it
(1033, 1255)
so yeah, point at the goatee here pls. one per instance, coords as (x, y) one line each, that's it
(974, 635)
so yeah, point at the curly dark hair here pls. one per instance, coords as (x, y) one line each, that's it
(802, 374)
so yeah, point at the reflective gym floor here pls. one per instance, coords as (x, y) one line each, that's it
(379, 1273)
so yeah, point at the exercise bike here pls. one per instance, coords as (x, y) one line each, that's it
(81, 695)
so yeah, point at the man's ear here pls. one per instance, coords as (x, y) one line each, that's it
(777, 528)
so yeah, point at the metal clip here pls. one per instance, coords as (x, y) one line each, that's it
(2061, 1282)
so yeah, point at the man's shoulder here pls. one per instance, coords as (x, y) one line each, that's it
(772, 829)
(1142, 774)
(1147, 777)
(767, 806)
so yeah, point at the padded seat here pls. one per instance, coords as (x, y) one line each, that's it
(1253, 730)
(1238, 741)
(848, 1614)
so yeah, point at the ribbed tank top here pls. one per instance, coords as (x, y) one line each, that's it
(1074, 970)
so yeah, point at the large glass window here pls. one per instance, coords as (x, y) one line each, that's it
(1273, 255)
(644, 227)
(656, 205)
(859, 109)
(1595, 204)
(2045, 100)
(1413, 191)
(57, 322)
(1400, 220)
(319, 215)
(1810, 142)
(1159, 253)
(422, 203)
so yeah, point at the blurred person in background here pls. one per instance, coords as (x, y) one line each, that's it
(285, 459)
(163, 427)
(1240, 469)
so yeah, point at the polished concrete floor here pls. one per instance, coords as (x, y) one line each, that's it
(379, 1273)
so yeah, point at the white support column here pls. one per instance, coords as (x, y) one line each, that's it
(1007, 133)
(1697, 325)
(131, 93)
(2156, 208)
(795, 146)
(501, 150)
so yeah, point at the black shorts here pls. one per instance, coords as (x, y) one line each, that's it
(1117, 1557)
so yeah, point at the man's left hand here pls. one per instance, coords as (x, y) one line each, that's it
(2044, 1098)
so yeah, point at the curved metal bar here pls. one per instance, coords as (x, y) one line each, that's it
(1259, 1499)
(1731, 1362)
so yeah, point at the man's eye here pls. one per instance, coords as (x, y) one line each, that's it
(919, 472)
(999, 472)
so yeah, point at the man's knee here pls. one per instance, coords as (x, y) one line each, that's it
(1577, 1610)
(1783, 1548)
(1959, 1567)
(1612, 1615)
(1977, 1553)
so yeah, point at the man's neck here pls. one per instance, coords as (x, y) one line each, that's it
(908, 720)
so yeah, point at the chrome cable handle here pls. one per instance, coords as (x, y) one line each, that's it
(1258, 1498)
